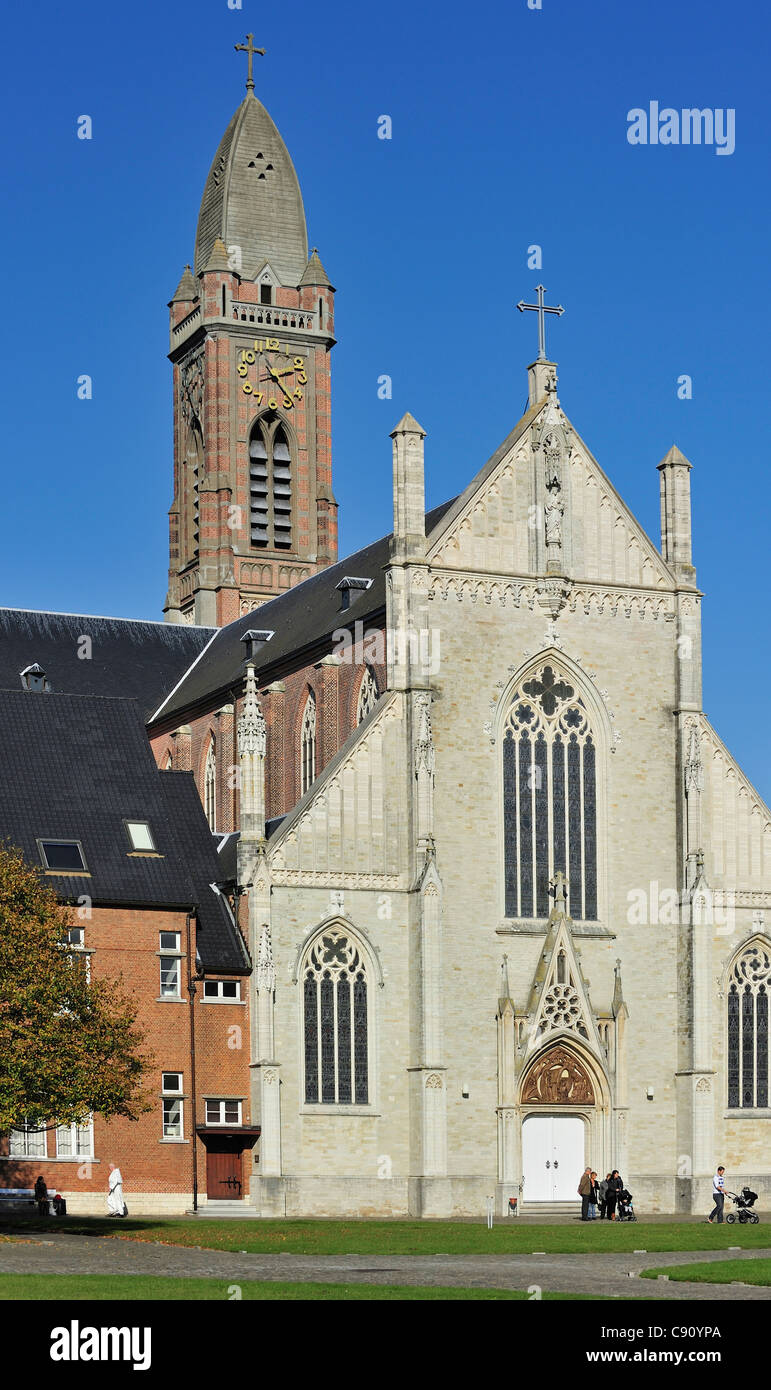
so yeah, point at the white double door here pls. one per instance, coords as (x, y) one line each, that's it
(552, 1157)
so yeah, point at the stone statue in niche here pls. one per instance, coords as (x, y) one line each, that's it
(553, 516)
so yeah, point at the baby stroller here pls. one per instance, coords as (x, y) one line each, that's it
(744, 1202)
(625, 1211)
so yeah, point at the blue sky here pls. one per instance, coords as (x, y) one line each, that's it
(509, 129)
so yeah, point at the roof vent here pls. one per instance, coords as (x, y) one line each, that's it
(348, 587)
(254, 640)
(34, 678)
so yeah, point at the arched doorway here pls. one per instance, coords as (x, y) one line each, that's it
(563, 1123)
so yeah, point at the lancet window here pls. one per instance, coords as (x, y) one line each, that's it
(335, 1021)
(270, 484)
(549, 798)
(308, 745)
(748, 990)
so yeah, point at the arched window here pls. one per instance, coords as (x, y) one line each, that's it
(368, 693)
(210, 786)
(308, 745)
(750, 982)
(549, 798)
(193, 461)
(270, 484)
(335, 1021)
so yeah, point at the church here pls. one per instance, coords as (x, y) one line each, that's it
(501, 885)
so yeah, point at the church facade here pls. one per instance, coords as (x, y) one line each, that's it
(506, 884)
(504, 889)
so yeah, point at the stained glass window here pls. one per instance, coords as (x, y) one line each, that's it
(748, 1074)
(336, 1033)
(549, 798)
(210, 786)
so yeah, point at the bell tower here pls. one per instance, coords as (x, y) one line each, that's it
(252, 328)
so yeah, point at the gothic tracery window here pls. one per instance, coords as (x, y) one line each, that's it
(335, 1022)
(549, 798)
(368, 694)
(748, 991)
(210, 786)
(308, 745)
(270, 484)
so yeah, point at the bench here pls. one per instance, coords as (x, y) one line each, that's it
(23, 1199)
(16, 1198)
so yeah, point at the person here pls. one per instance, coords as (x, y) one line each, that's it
(602, 1190)
(584, 1192)
(41, 1196)
(615, 1185)
(593, 1198)
(115, 1203)
(718, 1192)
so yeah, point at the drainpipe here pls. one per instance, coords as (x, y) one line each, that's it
(191, 990)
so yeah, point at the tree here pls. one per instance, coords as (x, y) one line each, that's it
(69, 1045)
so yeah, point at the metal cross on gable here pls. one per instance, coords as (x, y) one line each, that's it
(540, 309)
(249, 48)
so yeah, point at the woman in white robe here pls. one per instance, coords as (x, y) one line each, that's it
(115, 1203)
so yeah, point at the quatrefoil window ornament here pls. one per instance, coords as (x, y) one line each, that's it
(548, 690)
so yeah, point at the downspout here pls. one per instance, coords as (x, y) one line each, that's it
(191, 990)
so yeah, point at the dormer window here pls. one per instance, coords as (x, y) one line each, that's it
(62, 856)
(34, 678)
(266, 293)
(349, 587)
(140, 836)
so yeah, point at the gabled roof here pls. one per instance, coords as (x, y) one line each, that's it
(76, 767)
(478, 481)
(304, 617)
(128, 659)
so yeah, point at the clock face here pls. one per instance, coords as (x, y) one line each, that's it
(271, 374)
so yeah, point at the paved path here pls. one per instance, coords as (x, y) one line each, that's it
(605, 1275)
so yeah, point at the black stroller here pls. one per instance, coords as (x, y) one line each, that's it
(744, 1202)
(625, 1211)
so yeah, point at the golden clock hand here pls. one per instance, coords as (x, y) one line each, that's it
(285, 372)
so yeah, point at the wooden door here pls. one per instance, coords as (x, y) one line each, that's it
(223, 1171)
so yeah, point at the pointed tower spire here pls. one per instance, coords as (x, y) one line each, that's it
(251, 752)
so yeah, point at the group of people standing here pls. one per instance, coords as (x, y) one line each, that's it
(603, 1194)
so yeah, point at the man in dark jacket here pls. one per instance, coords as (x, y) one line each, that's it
(585, 1193)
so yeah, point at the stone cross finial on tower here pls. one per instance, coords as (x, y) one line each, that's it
(540, 309)
(249, 48)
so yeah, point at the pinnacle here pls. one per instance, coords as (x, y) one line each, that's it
(186, 289)
(675, 456)
(218, 260)
(408, 425)
(314, 273)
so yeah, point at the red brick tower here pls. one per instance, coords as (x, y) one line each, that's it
(251, 332)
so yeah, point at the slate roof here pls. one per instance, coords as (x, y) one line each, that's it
(74, 768)
(138, 660)
(304, 617)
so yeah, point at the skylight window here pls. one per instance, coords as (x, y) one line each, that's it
(140, 835)
(62, 856)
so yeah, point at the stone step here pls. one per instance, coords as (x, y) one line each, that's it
(243, 1210)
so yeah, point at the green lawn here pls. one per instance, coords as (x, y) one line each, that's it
(411, 1237)
(125, 1288)
(717, 1272)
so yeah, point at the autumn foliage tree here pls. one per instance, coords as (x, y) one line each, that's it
(69, 1045)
